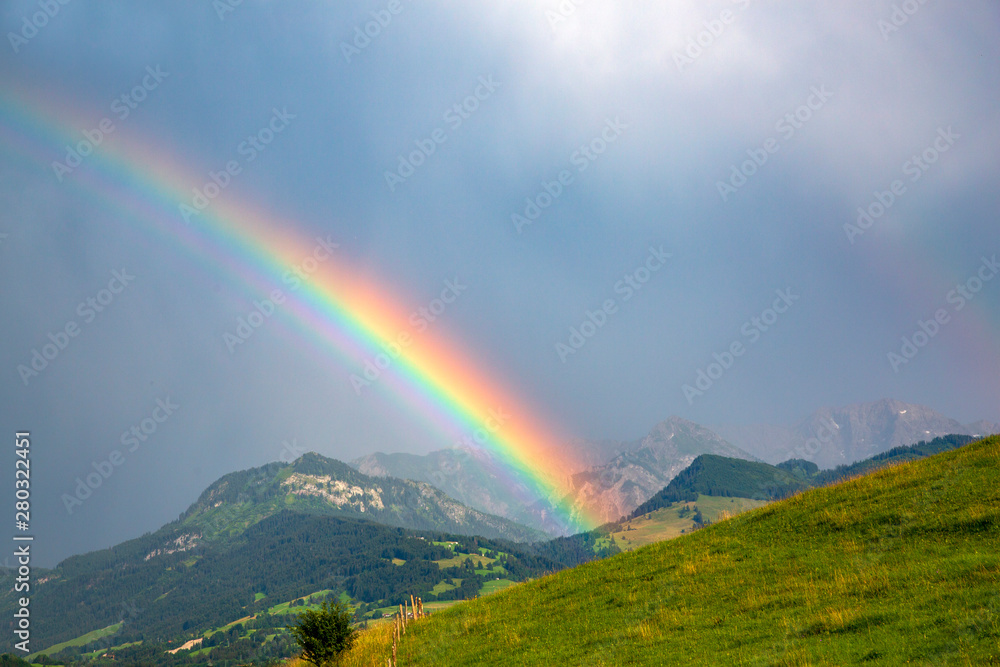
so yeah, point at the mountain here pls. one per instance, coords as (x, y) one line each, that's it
(896, 455)
(767, 442)
(475, 478)
(471, 476)
(622, 474)
(318, 485)
(838, 436)
(896, 567)
(265, 536)
(172, 585)
(629, 479)
(712, 475)
(982, 428)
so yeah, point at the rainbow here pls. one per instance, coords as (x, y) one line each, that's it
(338, 309)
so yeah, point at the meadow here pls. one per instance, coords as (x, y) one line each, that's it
(898, 566)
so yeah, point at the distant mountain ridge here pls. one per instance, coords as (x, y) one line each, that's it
(622, 475)
(610, 489)
(318, 485)
(616, 488)
(711, 475)
(982, 428)
(473, 477)
(831, 437)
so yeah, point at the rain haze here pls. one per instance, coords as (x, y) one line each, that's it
(734, 212)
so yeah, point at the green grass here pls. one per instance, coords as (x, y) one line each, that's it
(457, 560)
(223, 628)
(714, 507)
(900, 566)
(441, 586)
(79, 641)
(494, 586)
(111, 649)
(496, 571)
(667, 523)
(663, 524)
(257, 597)
(286, 608)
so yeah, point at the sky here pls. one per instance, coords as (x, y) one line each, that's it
(734, 212)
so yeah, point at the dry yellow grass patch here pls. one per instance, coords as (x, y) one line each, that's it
(371, 649)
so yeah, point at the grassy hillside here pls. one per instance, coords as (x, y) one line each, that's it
(895, 455)
(178, 596)
(677, 519)
(712, 475)
(899, 566)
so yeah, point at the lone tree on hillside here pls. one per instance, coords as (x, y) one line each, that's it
(325, 633)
